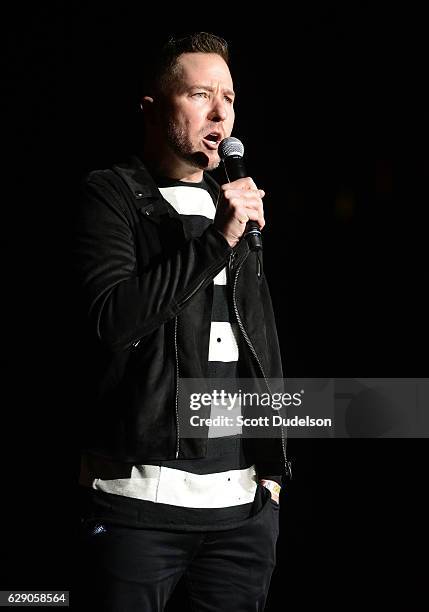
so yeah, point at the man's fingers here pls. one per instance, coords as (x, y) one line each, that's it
(250, 214)
(242, 183)
(243, 193)
(240, 203)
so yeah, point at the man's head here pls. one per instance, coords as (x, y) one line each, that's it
(189, 107)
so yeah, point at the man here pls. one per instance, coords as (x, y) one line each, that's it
(173, 292)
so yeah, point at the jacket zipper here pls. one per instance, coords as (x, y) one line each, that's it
(177, 389)
(249, 342)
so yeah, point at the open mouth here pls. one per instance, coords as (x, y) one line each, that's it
(213, 136)
(212, 140)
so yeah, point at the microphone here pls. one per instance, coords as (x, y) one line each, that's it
(231, 152)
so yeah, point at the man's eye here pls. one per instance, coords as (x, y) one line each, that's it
(228, 99)
(201, 93)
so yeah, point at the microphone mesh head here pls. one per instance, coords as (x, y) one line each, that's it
(230, 146)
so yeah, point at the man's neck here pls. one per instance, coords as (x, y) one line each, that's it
(170, 167)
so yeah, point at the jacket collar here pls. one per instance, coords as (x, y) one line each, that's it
(147, 197)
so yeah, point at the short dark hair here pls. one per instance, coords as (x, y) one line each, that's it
(163, 70)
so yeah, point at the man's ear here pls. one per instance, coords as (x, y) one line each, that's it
(146, 104)
(151, 109)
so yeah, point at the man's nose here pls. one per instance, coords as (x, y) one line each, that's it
(218, 112)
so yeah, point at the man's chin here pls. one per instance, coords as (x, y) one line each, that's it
(203, 162)
(213, 164)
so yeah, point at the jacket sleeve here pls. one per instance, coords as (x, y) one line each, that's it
(122, 305)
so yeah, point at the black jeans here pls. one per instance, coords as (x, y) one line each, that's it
(122, 569)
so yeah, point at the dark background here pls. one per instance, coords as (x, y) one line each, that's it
(333, 113)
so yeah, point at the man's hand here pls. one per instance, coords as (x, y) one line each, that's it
(273, 487)
(239, 202)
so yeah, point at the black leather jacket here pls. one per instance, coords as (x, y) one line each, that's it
(146, 291)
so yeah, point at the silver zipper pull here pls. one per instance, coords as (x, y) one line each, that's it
(231, 260)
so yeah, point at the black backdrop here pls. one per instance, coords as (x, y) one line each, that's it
(333, 112)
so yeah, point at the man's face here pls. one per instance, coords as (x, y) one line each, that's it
(200, 109)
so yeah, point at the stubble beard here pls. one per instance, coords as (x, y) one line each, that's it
(179, 142)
